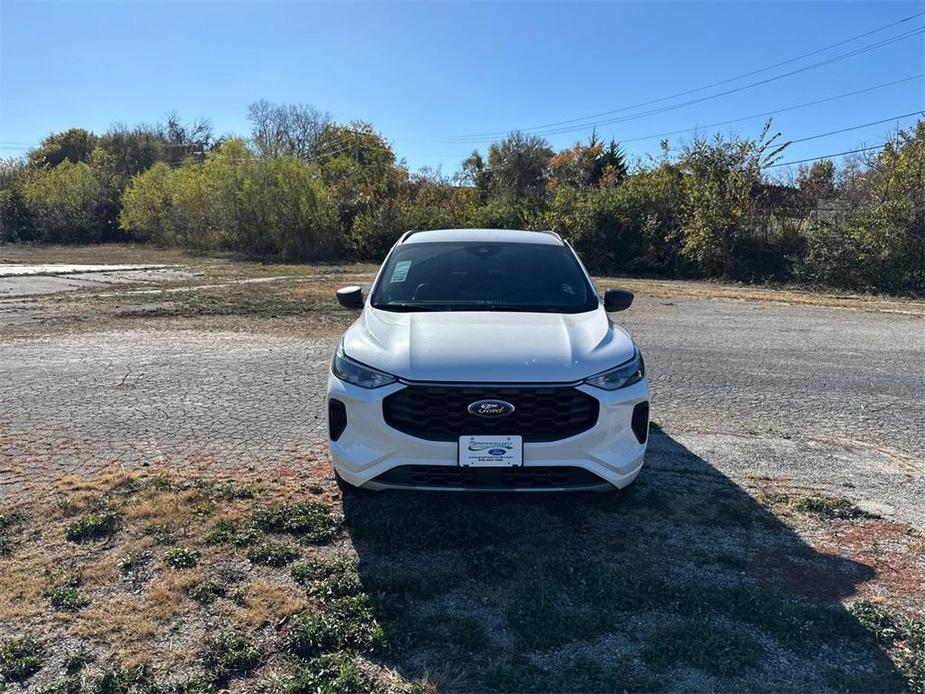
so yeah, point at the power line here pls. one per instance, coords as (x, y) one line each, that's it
(549, 129)
(774, 112)
(826, 156)
(732, 79)
(855, 127)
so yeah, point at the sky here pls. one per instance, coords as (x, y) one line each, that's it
(440, 79)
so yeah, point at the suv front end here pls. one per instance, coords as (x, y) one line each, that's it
(445, 377)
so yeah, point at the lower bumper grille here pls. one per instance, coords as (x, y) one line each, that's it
(440, 413)
(448, 476)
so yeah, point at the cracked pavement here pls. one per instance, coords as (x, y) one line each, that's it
(820, 398)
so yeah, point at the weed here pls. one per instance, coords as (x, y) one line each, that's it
(19, 660)
(203, 510)
(905, 638)
(67, 685)
(326, 580)
(341, 623)
(117, 680)
(9, 522)
(231, 654)
(182, 557)
(131, 563)
(92, 526)
(67, 598)
(272, 554)
(830, 507)
(162, 533)
(231, 532)
(206, 592)
(313, 520)
(329, 674)
(312, 570)
(701, 645)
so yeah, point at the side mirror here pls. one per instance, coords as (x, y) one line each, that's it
(350, 297)
(617, 300)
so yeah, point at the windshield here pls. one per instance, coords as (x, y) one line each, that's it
(483, 277)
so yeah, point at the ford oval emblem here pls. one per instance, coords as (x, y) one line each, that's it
(490, 408)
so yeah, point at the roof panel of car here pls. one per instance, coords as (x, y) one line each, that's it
(483, 236)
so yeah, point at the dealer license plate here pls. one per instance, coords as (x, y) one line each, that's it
(491, 451)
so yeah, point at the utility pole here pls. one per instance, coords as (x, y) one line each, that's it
(356, 146)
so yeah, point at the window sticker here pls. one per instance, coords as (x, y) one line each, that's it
(400, 273)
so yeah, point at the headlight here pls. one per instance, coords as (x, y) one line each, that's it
(356, 373)
(621, 376)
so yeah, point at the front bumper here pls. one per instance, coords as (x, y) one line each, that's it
(369, 448)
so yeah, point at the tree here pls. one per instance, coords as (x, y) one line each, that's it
(817, 181)
(133, 150)
(719, 177)
(593, 164)
(183, 140)
(64, 201)
(519, 165)
(73, 145)
(296, 130)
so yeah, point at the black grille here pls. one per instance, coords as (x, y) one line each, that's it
(640, 421)
(337, 418)
(448, 476)
(541, 413)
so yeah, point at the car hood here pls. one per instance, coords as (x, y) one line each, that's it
(486, 346)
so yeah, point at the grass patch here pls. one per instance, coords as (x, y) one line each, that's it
(830, 507)
(93, 526)
(332, 673)
(903, 637)
(19, 659)
(68, 598)
(327, 580)
(272, 554)
(207, 592)
(182, 557)
(162, 534)
(10, 523)
(701, 645)
(234, 533)
(341, 623)
(69, 684)
(312, 520)
(230, 655)
(542, 619)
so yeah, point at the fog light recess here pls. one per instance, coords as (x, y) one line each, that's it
(337, 418)
(641, 421)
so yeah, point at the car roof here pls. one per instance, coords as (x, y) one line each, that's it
(548, 238)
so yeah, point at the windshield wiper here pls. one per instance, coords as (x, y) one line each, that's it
(406, 307)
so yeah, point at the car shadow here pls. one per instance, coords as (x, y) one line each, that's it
(682, 581)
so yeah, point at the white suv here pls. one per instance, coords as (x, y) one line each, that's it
(485, 360)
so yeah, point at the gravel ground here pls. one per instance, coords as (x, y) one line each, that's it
(823, 397)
